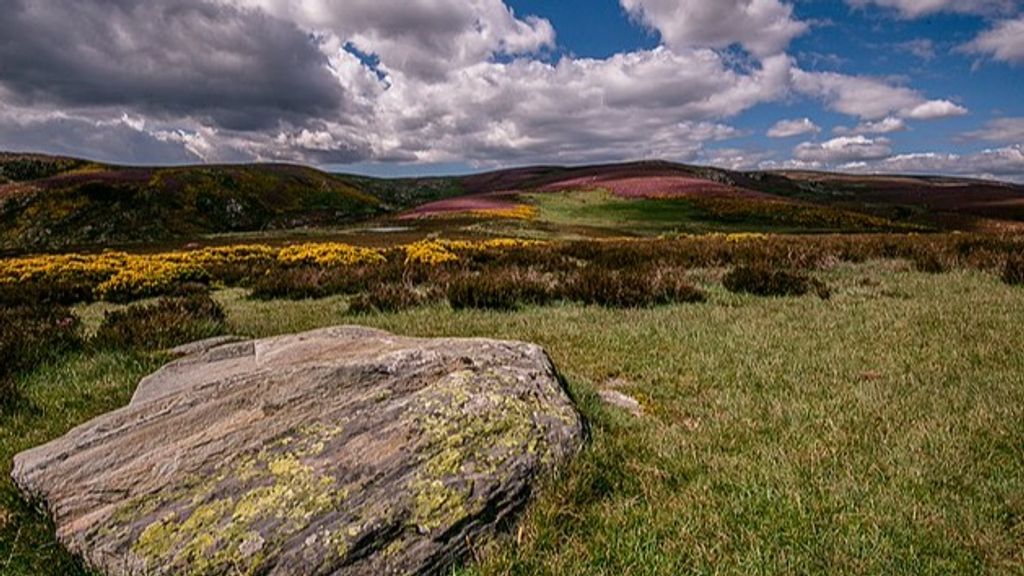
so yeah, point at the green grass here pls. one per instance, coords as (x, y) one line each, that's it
(58, 397)
(603, 211)
(879, 432)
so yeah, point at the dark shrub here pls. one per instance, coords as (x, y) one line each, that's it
(316, 282)
(503, 288)
(243, 273)
(30, 335)
(388, 298)
(169, 322)
(632, 287)
(188, 289)
(475, 290)
(292, 283)
(57, 289)
(544, 257)
(932, 261)
(763, 281)
(1013, 271)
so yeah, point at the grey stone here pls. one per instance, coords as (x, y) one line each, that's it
(623, 401)
(338, 451)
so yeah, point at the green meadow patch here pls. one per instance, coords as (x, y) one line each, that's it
(878, 432)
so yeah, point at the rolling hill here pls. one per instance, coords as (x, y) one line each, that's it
(51, 203)
(671, 197)
(54, 203)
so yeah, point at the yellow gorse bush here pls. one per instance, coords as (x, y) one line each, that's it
(437, 252)
(142, 276)
(518, 212)
(331, 254)
(745, 237)
(429, 252)
(123, 276)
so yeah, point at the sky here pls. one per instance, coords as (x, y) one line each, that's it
(418, 87)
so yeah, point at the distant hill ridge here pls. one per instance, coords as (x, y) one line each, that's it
(51, 202)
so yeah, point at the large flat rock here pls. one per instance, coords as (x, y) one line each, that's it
(339, 451)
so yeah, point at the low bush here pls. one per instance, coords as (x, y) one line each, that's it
(169, 322)
(58, 289)
(502, 289)
(932, 261)
(632, 287)
(304, 282)
(764, 281)
(149, 279)
(30, 335)
(388, 298)
(1013, 270)
(293, 283)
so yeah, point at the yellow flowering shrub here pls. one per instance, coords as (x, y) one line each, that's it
(224, 255)
(121, 276)
(39, 268)
(329, 254)
(498, 244)
(517, 212)
(745, 237)
(142, 277)
(429, 252)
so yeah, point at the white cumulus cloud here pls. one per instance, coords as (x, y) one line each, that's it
(1010, 130)
(763, 27)
(871, 98)
(935, 109)
(1003, 42)
(887, 125)
(918, 8)
(843, 149)
(997, 163)
(790, 128)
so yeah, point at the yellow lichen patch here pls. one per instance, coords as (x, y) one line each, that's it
(274, 494)
(156, 540)
(470, 441)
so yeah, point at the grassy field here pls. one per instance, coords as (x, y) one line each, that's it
(881, 431)
(603, 211)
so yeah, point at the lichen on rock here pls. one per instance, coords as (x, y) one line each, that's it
(273, 495)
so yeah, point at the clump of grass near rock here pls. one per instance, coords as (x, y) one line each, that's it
(764, 281)
(30, 335)
(169, 322)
